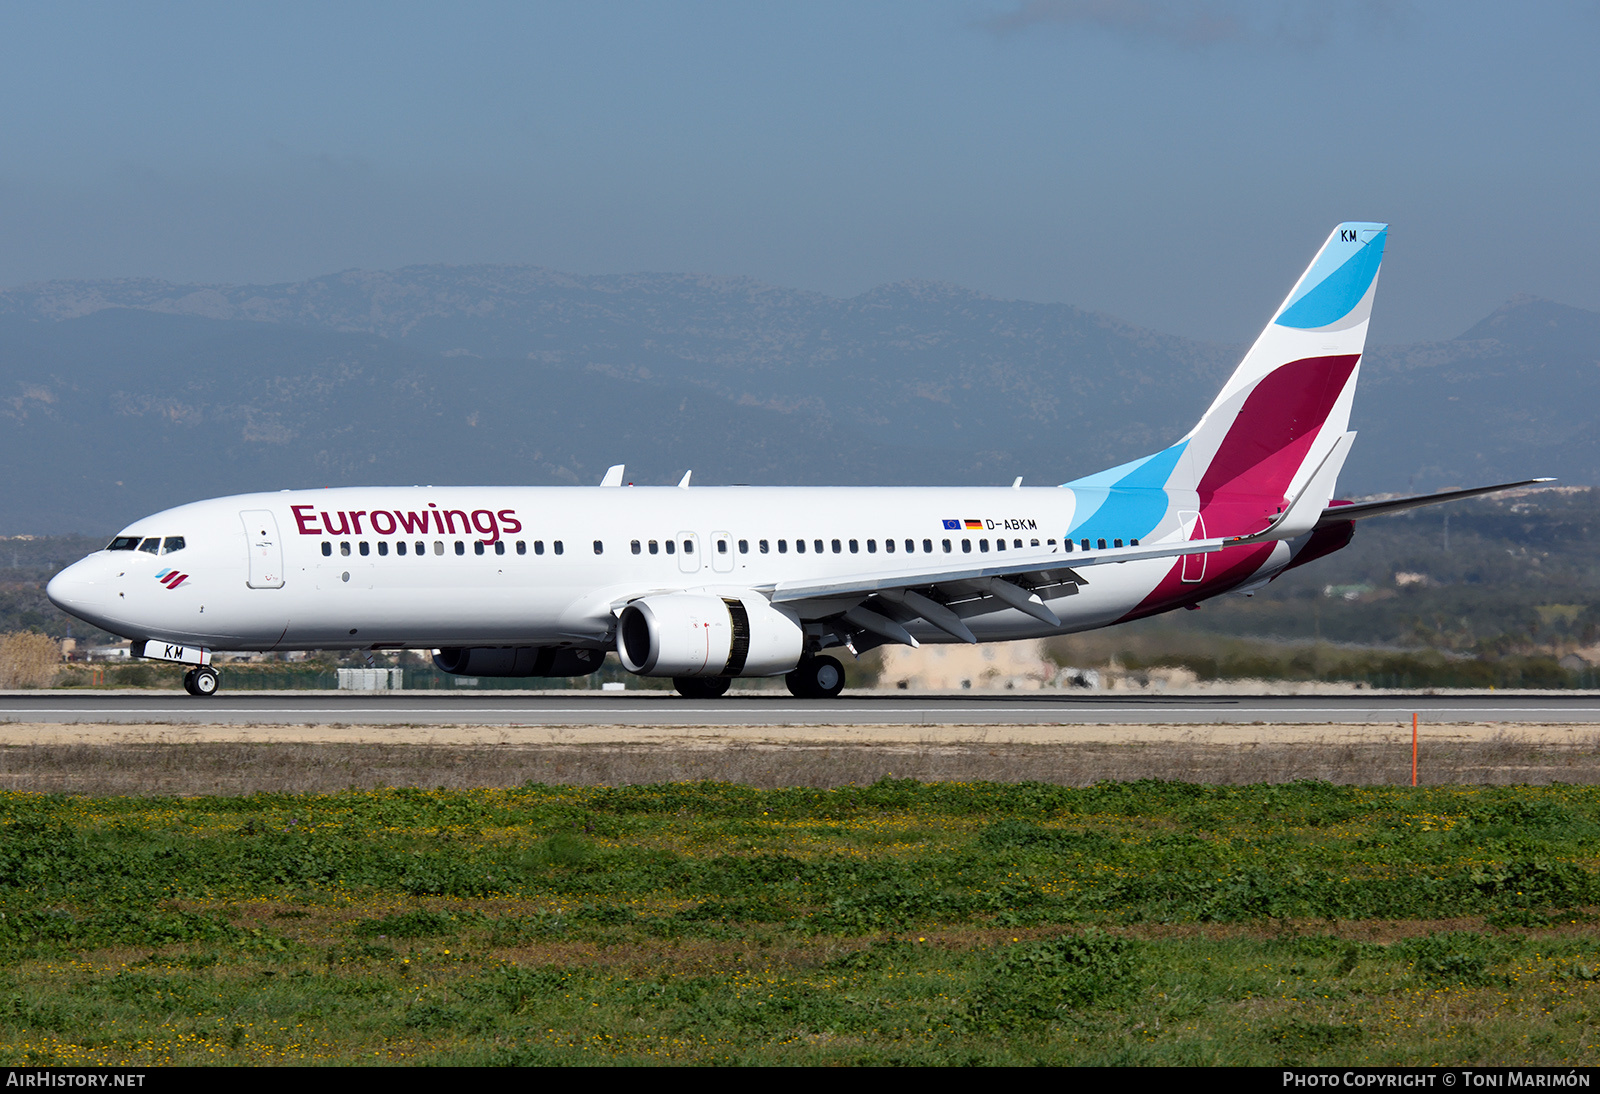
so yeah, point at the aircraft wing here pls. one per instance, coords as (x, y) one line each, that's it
(1336, 514)
(942, 595)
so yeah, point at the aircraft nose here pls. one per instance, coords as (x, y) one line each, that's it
(72, 589)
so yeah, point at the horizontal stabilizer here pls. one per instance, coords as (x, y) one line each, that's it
(1337, 514)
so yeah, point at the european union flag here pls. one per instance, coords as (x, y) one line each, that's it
(952, 524)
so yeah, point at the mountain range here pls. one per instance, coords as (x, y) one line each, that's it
(123, 397)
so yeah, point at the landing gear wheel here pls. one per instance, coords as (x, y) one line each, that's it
(816, 678)
(702, 687)
(201, 682)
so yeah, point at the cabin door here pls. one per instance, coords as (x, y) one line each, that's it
(266, 550)
(1194, 566)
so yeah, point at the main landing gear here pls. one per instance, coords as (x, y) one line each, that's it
(816, 678)
(813, 678)
(701, 687)
(201, 681)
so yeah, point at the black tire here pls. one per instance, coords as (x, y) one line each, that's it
(205, 681)
(816, 678)
(188, 682)
(702, 687)
(799, 682)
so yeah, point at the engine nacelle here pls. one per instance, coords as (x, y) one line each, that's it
(519, 661)
(698, 634)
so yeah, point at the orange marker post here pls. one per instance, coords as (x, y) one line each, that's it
(1413, 749)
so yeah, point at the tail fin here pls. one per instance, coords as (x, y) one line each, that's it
(1279, 416)
(1288, 402)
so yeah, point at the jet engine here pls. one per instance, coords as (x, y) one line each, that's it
(519, 661)
(699, 634)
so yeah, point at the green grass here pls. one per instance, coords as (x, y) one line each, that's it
(902, 922)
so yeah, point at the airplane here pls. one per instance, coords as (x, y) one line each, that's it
(708, 584)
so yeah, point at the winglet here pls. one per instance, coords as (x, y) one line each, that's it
(613, 475)
(683, 483)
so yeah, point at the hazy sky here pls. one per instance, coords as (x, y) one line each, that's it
(1175, 164)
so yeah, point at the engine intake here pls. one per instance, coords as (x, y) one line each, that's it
(697, 634)
(519, 661)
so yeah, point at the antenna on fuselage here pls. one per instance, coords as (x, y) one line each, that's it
(1017, 484)
(683, 483)
(613, 475)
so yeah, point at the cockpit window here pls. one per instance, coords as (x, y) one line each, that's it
(123, 543)
(153, 545)
(171, 544)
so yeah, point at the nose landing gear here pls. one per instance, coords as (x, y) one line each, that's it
(201, 682)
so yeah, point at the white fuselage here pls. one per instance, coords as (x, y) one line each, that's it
(427, 567)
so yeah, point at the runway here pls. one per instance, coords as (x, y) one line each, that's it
(167, 743)
(770, 711)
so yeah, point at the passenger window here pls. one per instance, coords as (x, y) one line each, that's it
(855, 547)
(744, 546)
(522, 546)
(672, 546)
(1100, 544)
(1116, 543)
(499, 546)
(344, 547)
(800, 546)
(461, 548)
(1031, 543)
(966, 546)
(722, 546)
(983, 545)
(1133, 543)
(872, 546)
(764, 547)
(783, 546)
(1086, 545)
(999, 545)
(366, 549)
(1017, 543)
(1070, 545)
(888, 545)
(173, 543)
(654, 547)
(836, 547)
(635, 547)
(327, 549)
(383, 547)
(438, 546)
(911, 546)
(422, 548)
(688, 546)
(817, 543)
(400, 547)
(946, 545)
(477, 546)
(557, 547)
(599, 547)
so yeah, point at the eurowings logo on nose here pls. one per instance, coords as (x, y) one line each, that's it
(171, 578)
